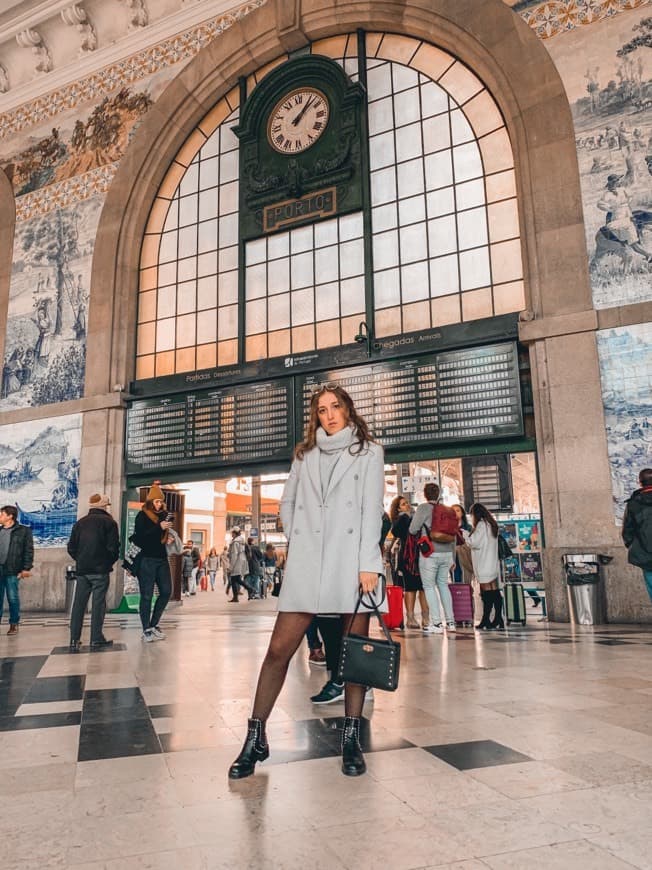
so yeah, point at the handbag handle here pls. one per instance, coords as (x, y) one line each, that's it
(373, 606)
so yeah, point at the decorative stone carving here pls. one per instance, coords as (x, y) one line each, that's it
(76, 17)
(139, 16)
(4, 80)
(32, 39)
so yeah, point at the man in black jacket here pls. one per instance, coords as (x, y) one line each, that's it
(637, 527)
(94, 545)
(16, 561)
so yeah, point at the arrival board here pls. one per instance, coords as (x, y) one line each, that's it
(239, 424)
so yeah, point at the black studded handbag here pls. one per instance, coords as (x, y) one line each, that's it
(367, 660)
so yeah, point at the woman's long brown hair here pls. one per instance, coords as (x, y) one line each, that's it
(362, 434)
(479, 512)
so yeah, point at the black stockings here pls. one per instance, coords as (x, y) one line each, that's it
(289, 631)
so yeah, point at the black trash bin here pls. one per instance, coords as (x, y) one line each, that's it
(585, 588)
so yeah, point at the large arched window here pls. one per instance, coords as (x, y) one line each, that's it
(444, 220)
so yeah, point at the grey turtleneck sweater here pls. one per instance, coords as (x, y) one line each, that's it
(331, 448)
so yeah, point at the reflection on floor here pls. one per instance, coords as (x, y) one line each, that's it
(527, 749)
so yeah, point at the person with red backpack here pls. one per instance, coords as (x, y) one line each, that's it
(441, 524)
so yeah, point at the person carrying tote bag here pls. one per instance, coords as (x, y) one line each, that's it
(332, 510)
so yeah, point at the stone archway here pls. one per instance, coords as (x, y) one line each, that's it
(502, 50)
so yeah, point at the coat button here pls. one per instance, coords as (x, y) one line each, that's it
(349, 531)
(317, 531)
(299, 507)
(355, 476)
(349, 503)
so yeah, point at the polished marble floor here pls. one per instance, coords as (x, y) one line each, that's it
(528, 749)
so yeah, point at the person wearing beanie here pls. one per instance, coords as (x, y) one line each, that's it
(94, 544)
(150, 534)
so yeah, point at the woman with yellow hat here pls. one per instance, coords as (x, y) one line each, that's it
(150, 534)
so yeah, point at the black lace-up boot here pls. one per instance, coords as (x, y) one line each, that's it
(255, 749)
(353, 763)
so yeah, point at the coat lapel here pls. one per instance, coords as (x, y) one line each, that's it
(343, 464)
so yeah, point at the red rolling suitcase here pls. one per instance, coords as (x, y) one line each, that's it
(203, 583)
(394, 616)
(462, 595)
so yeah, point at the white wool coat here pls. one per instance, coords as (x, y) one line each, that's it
(484, 553)
(331, 539)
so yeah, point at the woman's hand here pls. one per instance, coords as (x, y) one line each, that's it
(368, 581)
(165, 525)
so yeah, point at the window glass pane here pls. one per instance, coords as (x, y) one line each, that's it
(408, 142)
(440, 202)
(325, 233)
(442, 235)
(207, 292)
(168, 247)
(406, 107)
(474, 268)
(208, 173)
(434, 100)
(326, 265)
(501, 186)
(414, 282)
(256, 281)
(207, 263)
(256, 252)
(351, 226)
(302, 270)
(228, 259)
(468, 164)
(496, 151)
(228, 288)
(381, 150)
(476, 304)
(228, 230)
(303, 307)
(472, 228)
(256, 314)
(167, 274)
(383, 217)
(509, 297)
(352, 294)
(414, 243)
(186, 297)
(207, 236)
(278, 245)
(385, 246)
(186, 332)
(187, 241)
(327, 301)
(379, 81)
(301, 240)
(410, 178)
(190, 181)
(380, 116)
(207, 326)
(383, 186)
(403, 77)
(211, 146)
(469, 194)
(439, 170)
(227, 323)
(412, 210)
(165, 334)
(228, 166)
(188, 210)
(351, 258)
(172, 219)
(229, 197)
(278, 311)
(278, 276)
(166, 303)
(461, 129)
(444, 277)
(228, 139)
(208, 204)
(506, 262)
(436, 134)
(387, 288)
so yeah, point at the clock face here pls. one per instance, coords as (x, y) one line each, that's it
(297, 120)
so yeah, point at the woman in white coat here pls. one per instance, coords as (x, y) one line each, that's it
(332, 510)
(483, 541)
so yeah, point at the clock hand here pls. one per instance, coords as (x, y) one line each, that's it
(302, 112)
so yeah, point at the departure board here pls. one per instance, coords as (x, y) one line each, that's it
(460, 395)
(246, 423)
